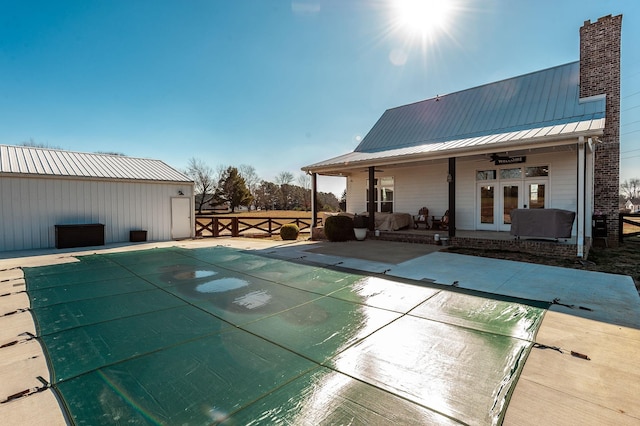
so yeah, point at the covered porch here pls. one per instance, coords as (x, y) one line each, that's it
(488, 240)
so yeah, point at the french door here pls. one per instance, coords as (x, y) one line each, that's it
(495, 202)
(510, 199)
(487, 205)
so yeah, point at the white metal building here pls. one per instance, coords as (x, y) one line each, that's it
(42, 188)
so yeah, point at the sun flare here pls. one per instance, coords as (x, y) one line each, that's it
(424, 18)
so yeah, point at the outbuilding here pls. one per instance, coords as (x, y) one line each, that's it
(56, 198)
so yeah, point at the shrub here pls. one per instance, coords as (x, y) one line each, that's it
(338, 228)
(360, 221)
(289, 231)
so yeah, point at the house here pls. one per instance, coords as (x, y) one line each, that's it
(547, 139)
(44, 190)
(632, 205)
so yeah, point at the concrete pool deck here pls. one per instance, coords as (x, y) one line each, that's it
(595, 315)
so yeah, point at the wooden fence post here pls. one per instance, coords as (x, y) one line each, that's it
(234, 227)
(620, 226)
(214, 226)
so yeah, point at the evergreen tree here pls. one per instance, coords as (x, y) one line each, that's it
(233, 190)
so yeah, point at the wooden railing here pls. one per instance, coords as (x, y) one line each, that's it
(220, 226)
(628, 225)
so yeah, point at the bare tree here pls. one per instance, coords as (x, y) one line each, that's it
(284, 179)
(33, 144)
(251, 180)
(304, 180)
(119, 154)
(630, 188)
(268, 195)
(221, 170)
(205, 183)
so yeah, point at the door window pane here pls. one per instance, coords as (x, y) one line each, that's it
(510, 194)
(386, 202)
(486, 204)
(536, 196)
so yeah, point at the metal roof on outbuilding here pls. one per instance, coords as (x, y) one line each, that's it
(531, 108)
(21, 160)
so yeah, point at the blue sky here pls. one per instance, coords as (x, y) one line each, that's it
(271, 83)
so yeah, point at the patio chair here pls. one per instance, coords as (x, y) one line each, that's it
(442, 223)
(421, 217)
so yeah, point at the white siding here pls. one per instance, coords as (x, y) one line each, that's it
(414, 187)
(426, 185)
(356, 193)
(31, 207)
(563, 179)
(422, 186)
(466, 192)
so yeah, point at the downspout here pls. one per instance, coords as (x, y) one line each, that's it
(580, 224)
(314, 204)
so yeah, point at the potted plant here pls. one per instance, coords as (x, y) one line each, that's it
(360, 227)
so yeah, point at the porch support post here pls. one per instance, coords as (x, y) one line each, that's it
(371, 208)
(314, 204)
(452, 196)
(581, 220)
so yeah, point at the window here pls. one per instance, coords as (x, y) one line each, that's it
(511, 173)
(383, 196)
(537, 171)
(486, 175)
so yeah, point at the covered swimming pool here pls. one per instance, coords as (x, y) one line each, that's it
(220, 335)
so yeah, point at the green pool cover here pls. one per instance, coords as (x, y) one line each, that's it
(223, 336)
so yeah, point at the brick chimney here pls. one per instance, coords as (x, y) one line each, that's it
(600, 74)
